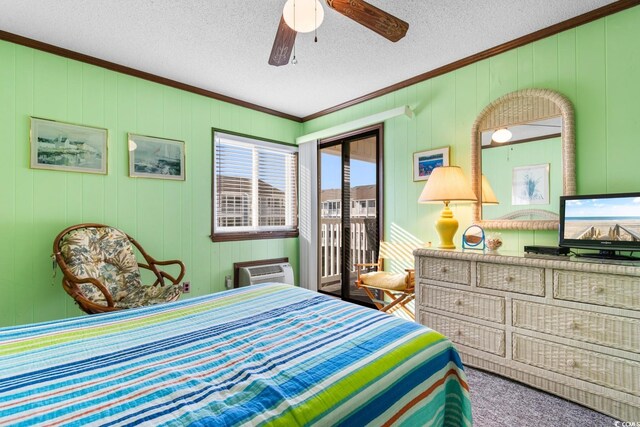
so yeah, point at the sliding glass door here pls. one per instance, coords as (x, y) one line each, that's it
(350, 193)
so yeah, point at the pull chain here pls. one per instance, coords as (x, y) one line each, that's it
(294, 61)
(315, 21)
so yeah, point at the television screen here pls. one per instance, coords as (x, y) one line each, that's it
(610, 221)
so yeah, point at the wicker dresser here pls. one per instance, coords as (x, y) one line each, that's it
(570, 328)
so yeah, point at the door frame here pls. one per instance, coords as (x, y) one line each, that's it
(376, 130)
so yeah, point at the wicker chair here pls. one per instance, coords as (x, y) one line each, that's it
(388, 291)
(101, 273)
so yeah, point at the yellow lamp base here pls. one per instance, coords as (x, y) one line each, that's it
(446, 226)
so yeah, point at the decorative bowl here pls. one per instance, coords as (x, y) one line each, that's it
(494, 241)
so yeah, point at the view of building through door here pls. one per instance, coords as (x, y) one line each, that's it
(349, 206)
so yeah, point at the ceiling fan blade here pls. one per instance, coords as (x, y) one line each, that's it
(375, 19)
(282, 45)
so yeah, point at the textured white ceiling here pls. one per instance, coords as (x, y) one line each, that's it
(223, 45)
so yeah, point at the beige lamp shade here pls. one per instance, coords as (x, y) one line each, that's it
(447, 184)
(488, 195)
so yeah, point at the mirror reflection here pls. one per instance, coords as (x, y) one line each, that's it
(522, 170)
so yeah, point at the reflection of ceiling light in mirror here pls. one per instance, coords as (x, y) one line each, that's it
(132, 146)
(502, 135)
(308, 15)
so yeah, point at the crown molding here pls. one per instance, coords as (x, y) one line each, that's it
(585, 18)
(66, 53)
(601, 12)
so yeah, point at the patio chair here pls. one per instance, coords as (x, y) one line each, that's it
(388, 291)
(101, 273)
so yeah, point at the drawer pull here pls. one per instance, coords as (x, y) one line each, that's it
(443, 269)
(458, 302)
(509, 279)
(597, 289)
(572, 363)
(573, 324)
(458, 332)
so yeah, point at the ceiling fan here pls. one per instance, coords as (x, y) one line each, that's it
(307, 15)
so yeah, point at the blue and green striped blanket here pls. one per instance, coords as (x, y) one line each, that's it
(267, 354)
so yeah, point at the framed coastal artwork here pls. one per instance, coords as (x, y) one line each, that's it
(153, 157)
(68, 147)
(530, 185)
(424, 162)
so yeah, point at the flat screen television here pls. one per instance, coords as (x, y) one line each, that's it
(606, 222)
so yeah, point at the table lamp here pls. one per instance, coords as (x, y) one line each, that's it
(488, 195)
(447, 184)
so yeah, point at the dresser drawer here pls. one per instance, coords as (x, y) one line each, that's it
(486, 307)
(612, 331)
(602, 289)
(476, 336)
(597, 368)
(513, 278)
(446, 270)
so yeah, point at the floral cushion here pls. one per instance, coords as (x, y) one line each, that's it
(105, 254)
(149, 295)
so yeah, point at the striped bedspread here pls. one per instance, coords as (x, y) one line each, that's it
(267, 354)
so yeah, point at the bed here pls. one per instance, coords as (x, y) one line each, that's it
(269, 354)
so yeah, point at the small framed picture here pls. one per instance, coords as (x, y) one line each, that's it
(424, 162)
(530, 185)
(68, 147)
(152, 157)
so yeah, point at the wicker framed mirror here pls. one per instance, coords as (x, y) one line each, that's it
(522, 109)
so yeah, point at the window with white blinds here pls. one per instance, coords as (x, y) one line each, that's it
(254, 185)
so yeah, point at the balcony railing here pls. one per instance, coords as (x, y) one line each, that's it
(368, 212)
(362, 251)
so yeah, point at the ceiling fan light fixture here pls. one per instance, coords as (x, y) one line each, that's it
(501, 135)
(309, 15)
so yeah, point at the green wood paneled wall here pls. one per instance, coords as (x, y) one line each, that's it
(170, 219)
(597, 66)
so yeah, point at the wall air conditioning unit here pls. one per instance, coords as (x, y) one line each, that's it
(278, 273)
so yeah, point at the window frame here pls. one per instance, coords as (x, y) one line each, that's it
(251, 234)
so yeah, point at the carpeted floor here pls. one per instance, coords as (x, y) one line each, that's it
(497, 402)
